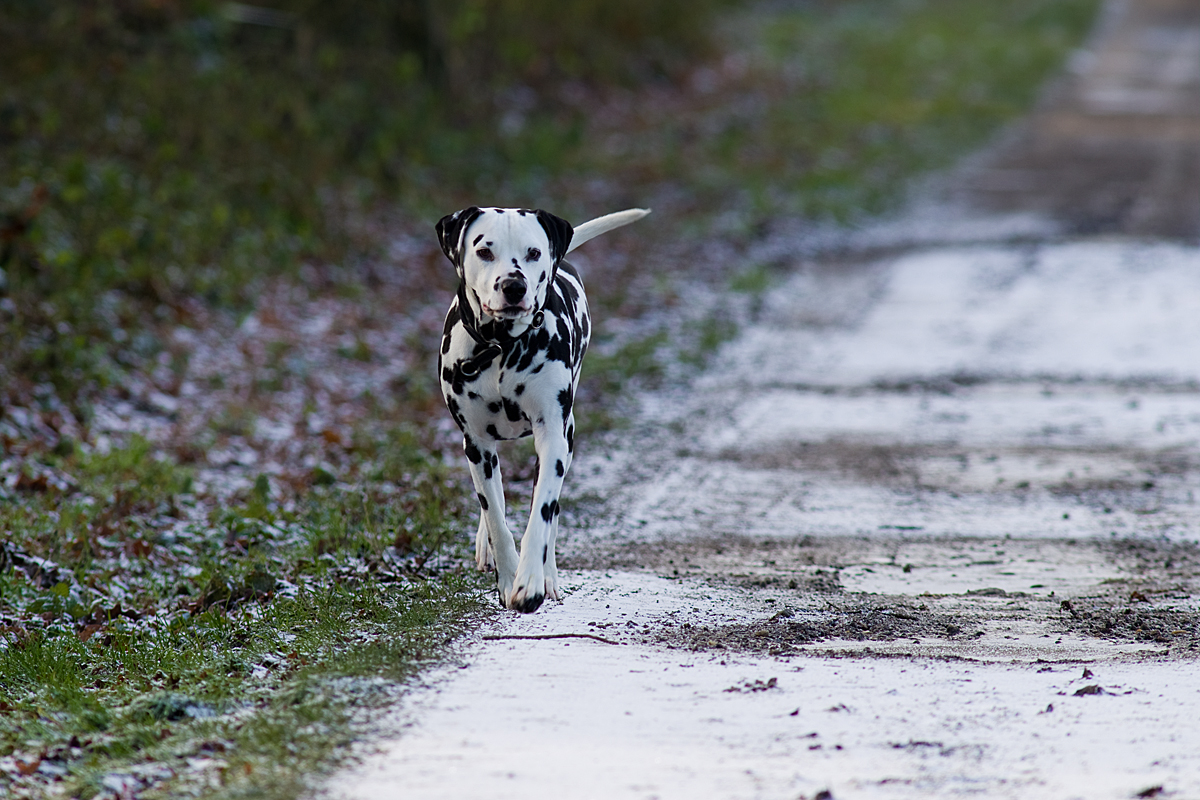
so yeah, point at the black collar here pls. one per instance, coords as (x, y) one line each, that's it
(466, 314)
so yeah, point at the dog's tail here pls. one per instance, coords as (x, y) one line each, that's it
(593, 228)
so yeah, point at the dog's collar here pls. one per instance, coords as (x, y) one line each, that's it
(482, 360)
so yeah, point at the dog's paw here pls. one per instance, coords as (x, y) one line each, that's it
(485, 560)
(485, 563)
(504, 586)
(552, 592)
(529, 585)
(525, 601)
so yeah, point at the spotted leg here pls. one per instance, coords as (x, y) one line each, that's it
(485, 473)
(551, 567)
(530, 586)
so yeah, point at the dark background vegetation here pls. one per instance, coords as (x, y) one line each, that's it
(173, 166)
(154, 153)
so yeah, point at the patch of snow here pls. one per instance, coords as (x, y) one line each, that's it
(1095, 310)
(584, 719)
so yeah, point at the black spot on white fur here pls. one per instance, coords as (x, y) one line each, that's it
(473, 454)
(564, 401)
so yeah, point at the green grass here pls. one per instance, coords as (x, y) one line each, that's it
(186, 686)
(828, 108)
(160, 632)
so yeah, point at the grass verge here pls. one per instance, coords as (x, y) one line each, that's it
(157, 643)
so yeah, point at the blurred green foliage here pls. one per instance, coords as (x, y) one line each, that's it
(907, 87)
(161, 150)
(825, 108)
(155, 154)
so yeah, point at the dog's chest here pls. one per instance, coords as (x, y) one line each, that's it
(531, 382)
(520, 387)
(499, 403)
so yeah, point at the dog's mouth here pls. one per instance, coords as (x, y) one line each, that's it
(505, 312)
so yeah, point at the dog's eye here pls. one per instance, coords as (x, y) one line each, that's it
(533, 255)
(485, 254)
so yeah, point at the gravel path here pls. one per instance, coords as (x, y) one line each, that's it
(927, 528)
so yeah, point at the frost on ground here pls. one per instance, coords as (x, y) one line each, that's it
(968, 559)
(929, 527)
(585, 719)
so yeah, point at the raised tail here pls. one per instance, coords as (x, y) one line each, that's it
(593, 228)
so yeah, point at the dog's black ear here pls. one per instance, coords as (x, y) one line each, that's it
(450, 231)
(558, 231)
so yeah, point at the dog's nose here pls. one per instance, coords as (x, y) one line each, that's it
(513, 289)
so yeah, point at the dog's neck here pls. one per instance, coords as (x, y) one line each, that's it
(493, 336)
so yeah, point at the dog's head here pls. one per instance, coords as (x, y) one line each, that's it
(505, 256)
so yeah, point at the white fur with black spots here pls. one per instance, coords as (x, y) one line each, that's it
(509, 364)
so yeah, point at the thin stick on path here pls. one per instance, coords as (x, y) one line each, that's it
(494, 637)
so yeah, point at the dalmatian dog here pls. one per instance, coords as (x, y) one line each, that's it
(511, 352)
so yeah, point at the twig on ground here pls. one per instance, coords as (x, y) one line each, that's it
(492, 638)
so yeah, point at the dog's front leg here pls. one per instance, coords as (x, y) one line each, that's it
(551, 566)
(554, 456)
(485, 474)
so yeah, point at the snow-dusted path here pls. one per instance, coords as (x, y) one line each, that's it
(929, 528)
(582, 719)
(964, 514)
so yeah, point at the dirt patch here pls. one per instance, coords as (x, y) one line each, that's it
(1153, 601)
(899, 559)
(818, 580)
(1160, 562)
(1064, 471)
(873, 619)
(784, 559)
(869, 461)
(1177, 626)
(926, 595)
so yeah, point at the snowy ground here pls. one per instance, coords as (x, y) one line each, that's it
(848, 474)
(583, 719)
(929, 527)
